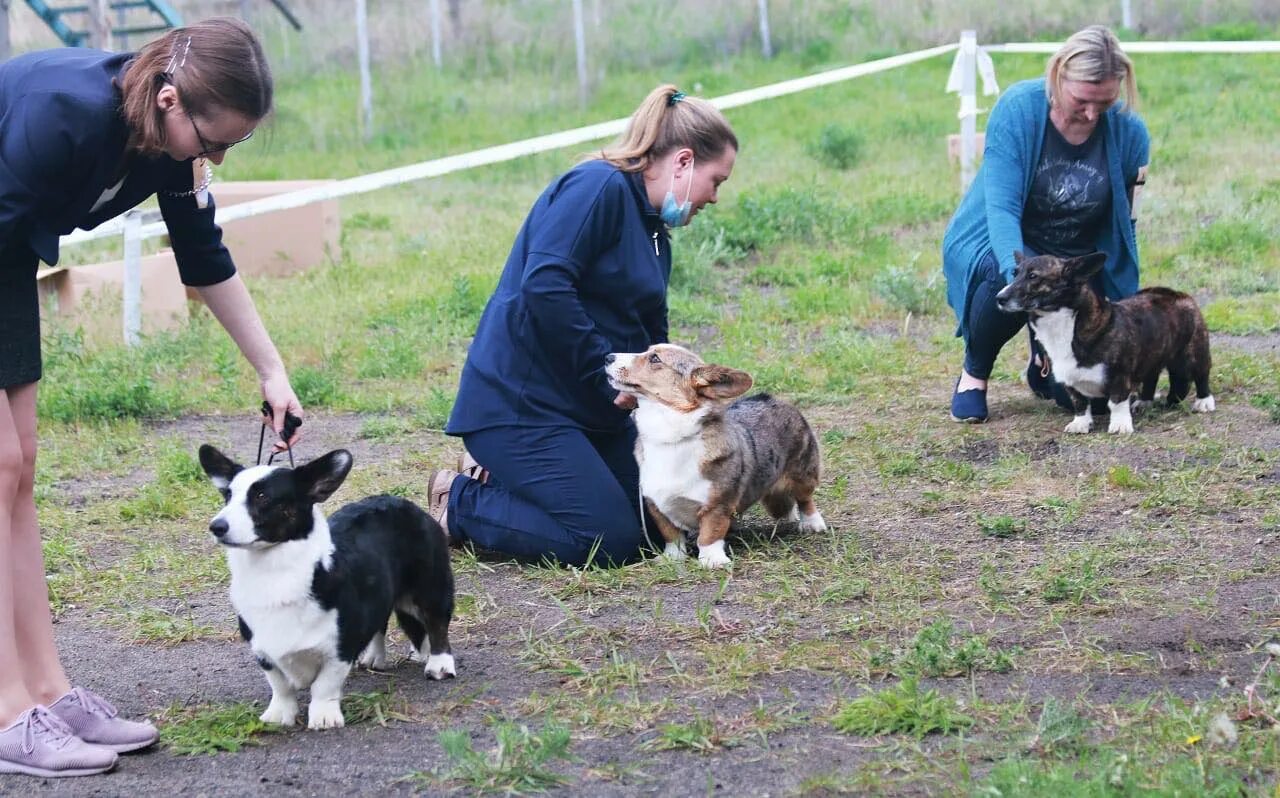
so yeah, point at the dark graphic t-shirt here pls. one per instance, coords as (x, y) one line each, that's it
(1070, 196)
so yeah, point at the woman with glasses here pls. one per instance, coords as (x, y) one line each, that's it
(84, 136)
(1063, 165)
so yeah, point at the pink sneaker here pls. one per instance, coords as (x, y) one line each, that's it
(94, 720)
(40, 744)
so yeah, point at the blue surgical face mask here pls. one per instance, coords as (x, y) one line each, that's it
(674, 215)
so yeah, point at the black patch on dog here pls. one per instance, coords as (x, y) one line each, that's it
(388, 554)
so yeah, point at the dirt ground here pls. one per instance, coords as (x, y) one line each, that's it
(1189, 651)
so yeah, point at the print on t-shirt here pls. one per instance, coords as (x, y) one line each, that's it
(1070, 196)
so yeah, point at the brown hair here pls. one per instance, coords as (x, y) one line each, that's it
(669, 119)
(216, 64)
(1092, 55)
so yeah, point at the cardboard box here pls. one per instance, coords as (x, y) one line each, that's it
(282, 242)
(92, 296)
(276, 244)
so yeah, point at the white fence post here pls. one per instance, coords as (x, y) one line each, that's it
(132, 287)
(766, 44)
(580, 47)
(1126, 15)
(968, 106)
(435, 34)
(366, 83)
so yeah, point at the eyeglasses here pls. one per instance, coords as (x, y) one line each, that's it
(208, 149)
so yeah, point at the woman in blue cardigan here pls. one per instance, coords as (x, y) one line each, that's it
(1062, 168)
(84, 136)
(587, 276)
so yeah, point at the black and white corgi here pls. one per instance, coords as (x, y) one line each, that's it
(1111, 350)
(705, 454)
(313, 595)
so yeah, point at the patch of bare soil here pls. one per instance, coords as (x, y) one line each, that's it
(1185, 605)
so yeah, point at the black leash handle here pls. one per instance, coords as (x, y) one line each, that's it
(291, 424)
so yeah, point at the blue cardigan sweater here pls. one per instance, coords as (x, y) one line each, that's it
(62, 142)
(587, 276)
(989, 219)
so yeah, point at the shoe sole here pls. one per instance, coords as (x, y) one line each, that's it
(125, 748)
(970, 420)
(13, 768)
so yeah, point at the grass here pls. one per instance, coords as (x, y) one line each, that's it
(905, 708)
(210, 730)
(997, 610)
(519, 761)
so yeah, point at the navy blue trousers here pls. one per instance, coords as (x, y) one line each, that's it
(989, 327)
(553, 492)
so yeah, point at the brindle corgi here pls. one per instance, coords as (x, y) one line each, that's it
(1100, 348)
(706, 455)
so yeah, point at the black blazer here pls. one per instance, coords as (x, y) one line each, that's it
(62, 143)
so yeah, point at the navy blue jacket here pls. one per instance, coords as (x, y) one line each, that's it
(587, 276)
(62, 142)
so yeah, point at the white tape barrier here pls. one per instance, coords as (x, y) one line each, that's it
(1243, 48)
(497, 154)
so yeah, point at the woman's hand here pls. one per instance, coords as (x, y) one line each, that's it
(280, 396)
(625, 401)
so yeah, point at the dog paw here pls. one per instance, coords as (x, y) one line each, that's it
(674, 551)
(1120, 426)
(440, 666)
(374, 656)
(1205, 405)
(1139, 406)
(794, 516)
(1079, 425)
(713, 556)
(325, 715)
(414, 654)
(280, 713)
(813, 523)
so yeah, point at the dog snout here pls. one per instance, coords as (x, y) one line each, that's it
(1006, 301)
(219, 527)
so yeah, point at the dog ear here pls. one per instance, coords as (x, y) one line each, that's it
(1018, 257)
(1085, 266)
(220, 468)
(719, 382)
(324, 475)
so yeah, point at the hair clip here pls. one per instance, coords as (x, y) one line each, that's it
(675, 98)
(178, 59)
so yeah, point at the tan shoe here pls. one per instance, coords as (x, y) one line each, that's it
(468, 467)
(438, 486)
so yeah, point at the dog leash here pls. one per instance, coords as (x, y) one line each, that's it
(291, 424)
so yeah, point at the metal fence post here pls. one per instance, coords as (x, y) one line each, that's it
(132, 291)
(968, 106)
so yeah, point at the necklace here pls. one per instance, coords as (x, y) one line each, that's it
(205, 180)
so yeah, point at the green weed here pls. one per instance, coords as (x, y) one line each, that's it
(519, 762)
(211, 729)
(901, 709)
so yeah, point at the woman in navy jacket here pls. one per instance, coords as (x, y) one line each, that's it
(587, 276)
(84, 136)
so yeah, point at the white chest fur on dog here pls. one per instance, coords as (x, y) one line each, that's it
(670, 462)
(271, 591)
(1055, 332)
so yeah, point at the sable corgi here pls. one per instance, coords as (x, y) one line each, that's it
(312, 595)
(705, 457)
(1100, 348)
